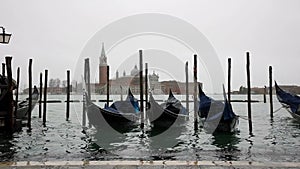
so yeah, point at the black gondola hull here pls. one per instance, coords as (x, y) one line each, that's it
(103, 119)
(228, 126)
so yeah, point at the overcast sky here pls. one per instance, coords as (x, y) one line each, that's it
(55, 32)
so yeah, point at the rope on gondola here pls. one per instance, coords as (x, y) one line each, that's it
(246, 118)
(278, 109)
(243, 117)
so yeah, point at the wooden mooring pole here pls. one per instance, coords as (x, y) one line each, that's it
(11, 118)
(146, 85)
(17, 91)
(68, 96)
(187, 87)
(45, 97)
(107, 86)
(270, 92)
(88, 79)
(87, 90)
(121, 89)
(141, 89)
(3, 69)
(41, 94)
(229, 79)
(29, 96)
(265, 92)
(249, 92)
(195, 94)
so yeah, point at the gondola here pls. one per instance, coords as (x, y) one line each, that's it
(166, 114)
(289, 101)
(216, 115)
(121, 115)
(23, 106)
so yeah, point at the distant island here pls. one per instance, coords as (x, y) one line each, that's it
(261, 90)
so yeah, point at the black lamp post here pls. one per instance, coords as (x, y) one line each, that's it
(4, 37)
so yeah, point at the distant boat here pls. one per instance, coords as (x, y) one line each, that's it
(289, 101)
(121, 115)
(166, 114)
(216, 115)
(23, 106)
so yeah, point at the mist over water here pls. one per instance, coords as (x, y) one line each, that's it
(276, 140)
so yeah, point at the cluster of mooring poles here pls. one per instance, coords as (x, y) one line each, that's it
(9, 120)
(12, 124)
(195, 100)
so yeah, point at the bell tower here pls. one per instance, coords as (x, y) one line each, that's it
(103, 67)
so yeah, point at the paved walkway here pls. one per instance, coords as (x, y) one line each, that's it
(148, 164)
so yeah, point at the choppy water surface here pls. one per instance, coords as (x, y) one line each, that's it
(272, 140)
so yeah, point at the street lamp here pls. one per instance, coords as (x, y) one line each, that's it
(4, 37)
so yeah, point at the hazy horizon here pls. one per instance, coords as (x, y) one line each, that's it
(55, 33)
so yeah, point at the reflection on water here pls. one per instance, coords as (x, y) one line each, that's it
(250, 142)
(135, 144)
(7, 149)
(276, 140)
(227, 142)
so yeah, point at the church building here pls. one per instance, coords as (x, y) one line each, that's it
(121, 84)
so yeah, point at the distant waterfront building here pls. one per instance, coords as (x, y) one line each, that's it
(103, 67)
(132, 81)
(121, 84)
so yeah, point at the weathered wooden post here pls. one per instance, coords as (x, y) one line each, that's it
(107, 86)
(3, 69)
(195, 94)
(146, 89)
(87, 90)
(265, 92)
(84, 103)
(121, 93)
(68, 96)
(45, 97)
(41, 94)
(146, 85)
(88, 79)
(141, 89)
(17, 91)
(270, 92)
(187, 87)
(11, 118)
(30, 96)
(229, 79)
(249, 92)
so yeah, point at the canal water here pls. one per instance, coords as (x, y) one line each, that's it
(272, 140)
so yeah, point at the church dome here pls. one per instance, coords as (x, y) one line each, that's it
(134, 71)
